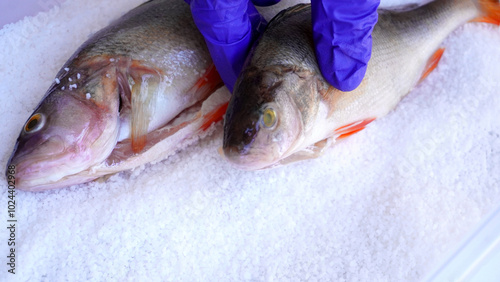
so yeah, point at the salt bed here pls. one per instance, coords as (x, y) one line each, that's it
(385, 205)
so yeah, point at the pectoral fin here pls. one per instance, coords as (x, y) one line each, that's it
(165, 140)
(147, 86)
(214, 116)
(317, 149)
(206, 84)
(314, 151)
(144, 95)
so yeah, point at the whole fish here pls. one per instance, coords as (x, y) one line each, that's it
(282, 109)
(133, 93)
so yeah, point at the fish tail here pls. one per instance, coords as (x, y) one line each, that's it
(491, 11)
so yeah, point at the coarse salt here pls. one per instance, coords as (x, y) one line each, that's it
(57, 80)
(208, 218)
(87, 96)
(66, 69)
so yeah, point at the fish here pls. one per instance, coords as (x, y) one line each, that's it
(135, 92)
(282, 109)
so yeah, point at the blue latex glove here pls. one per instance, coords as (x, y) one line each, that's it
(342, 35)
(342, 32)
(230, 27)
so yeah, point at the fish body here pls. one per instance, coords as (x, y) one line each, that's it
(131, 94)
(283, 110)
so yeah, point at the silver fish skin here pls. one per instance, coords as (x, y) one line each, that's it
(282, 109)
(111, 101)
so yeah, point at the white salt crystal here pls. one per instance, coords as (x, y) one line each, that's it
(87, 96)
(71, 86)
(111, 59)
(78, 76)
(70, 79)
(57, 80)
(66, 69)
(62, 88)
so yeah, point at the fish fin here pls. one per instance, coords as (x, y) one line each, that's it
(286, 13)
(311, 152)
(432, 63)
(486, 20)
(330, 97)
(207, 83)
(319, 147)
(144, 93)
(171, 136)
(345, 135)
(350, 129)
(143, 99)
(491, 8)
(104, 178)
(220, 150)
(214, 116)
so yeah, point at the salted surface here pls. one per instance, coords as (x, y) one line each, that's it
(384, 205)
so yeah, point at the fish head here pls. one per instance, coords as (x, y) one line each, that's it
(66, 134)
(262, 123)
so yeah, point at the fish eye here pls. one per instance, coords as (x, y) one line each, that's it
(34, 123)
(269, 118)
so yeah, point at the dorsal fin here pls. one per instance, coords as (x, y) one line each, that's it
(287, 12)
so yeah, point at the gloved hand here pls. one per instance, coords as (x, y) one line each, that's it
(342, 35)
(342, 32)
(230, 27)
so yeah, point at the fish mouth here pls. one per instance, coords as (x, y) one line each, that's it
(54, 163)
(35, 176)
(249, 159)
(259, 155)
(40, 171)
(30, 177)
(256, 158)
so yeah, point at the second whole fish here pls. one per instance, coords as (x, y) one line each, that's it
(133, 93)
(283, 110)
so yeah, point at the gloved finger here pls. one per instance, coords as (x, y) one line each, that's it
(229, 28)
(342, 36)
(222, 21)
(264, 3)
